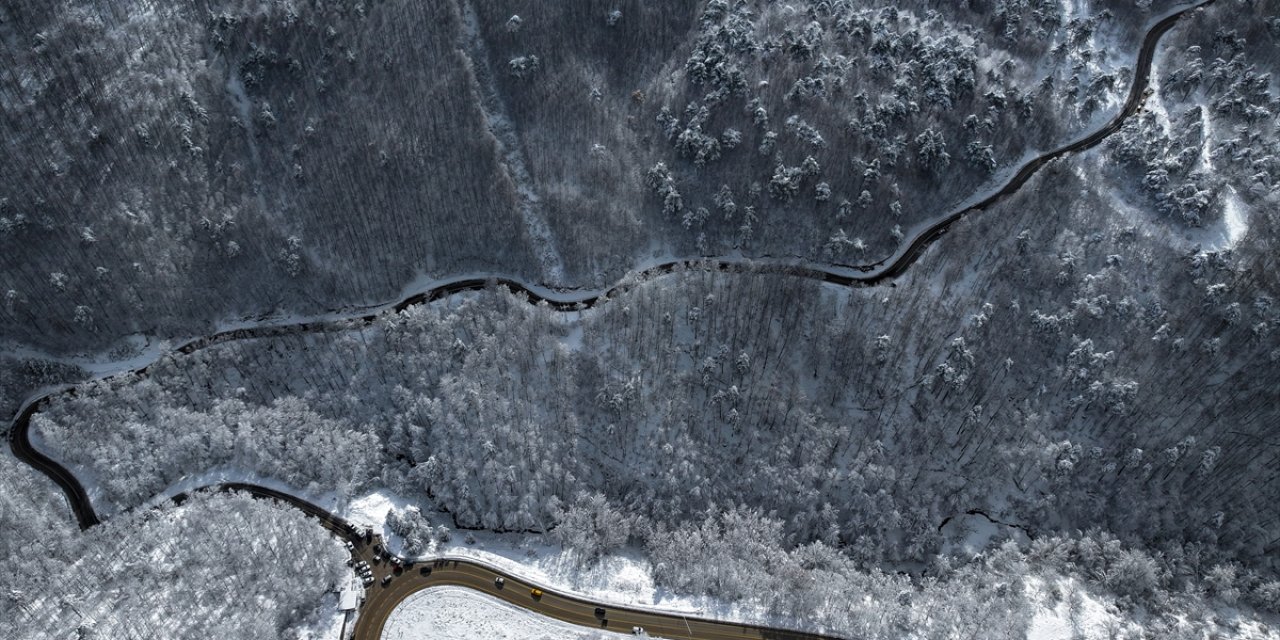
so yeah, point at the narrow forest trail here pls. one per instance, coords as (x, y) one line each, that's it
(474, 575)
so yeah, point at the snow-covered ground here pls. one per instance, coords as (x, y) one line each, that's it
(967, 535)
(1221, 235)
(1225, 233)
(624, 577)
(327, 624)
(1065, 609)
(454, 613)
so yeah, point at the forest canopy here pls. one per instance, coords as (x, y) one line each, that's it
(1069, 396)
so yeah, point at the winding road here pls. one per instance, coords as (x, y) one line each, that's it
(382, 600)
(411, 577)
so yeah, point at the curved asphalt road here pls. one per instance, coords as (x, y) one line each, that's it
(20, 444)
(411, 577)
(465, 573)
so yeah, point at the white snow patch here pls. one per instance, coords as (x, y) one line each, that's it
(1234, 217)
(1206, 153)
(1065, 610)
(1227, 232)
(463, 614)
(371, 510)
(1155, 105)
(1069, 10)
(573, 340)
(240, 100)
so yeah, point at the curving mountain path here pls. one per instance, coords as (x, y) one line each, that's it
(383, 599)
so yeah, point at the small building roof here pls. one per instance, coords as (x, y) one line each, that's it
(348, 599)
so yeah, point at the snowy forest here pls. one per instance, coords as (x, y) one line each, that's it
(220, 565)
(1089, 370)
(192, 162)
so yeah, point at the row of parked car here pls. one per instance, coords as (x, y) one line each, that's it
(365, 573)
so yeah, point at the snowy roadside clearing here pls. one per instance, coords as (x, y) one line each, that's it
(624, 577)
(458, 614)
